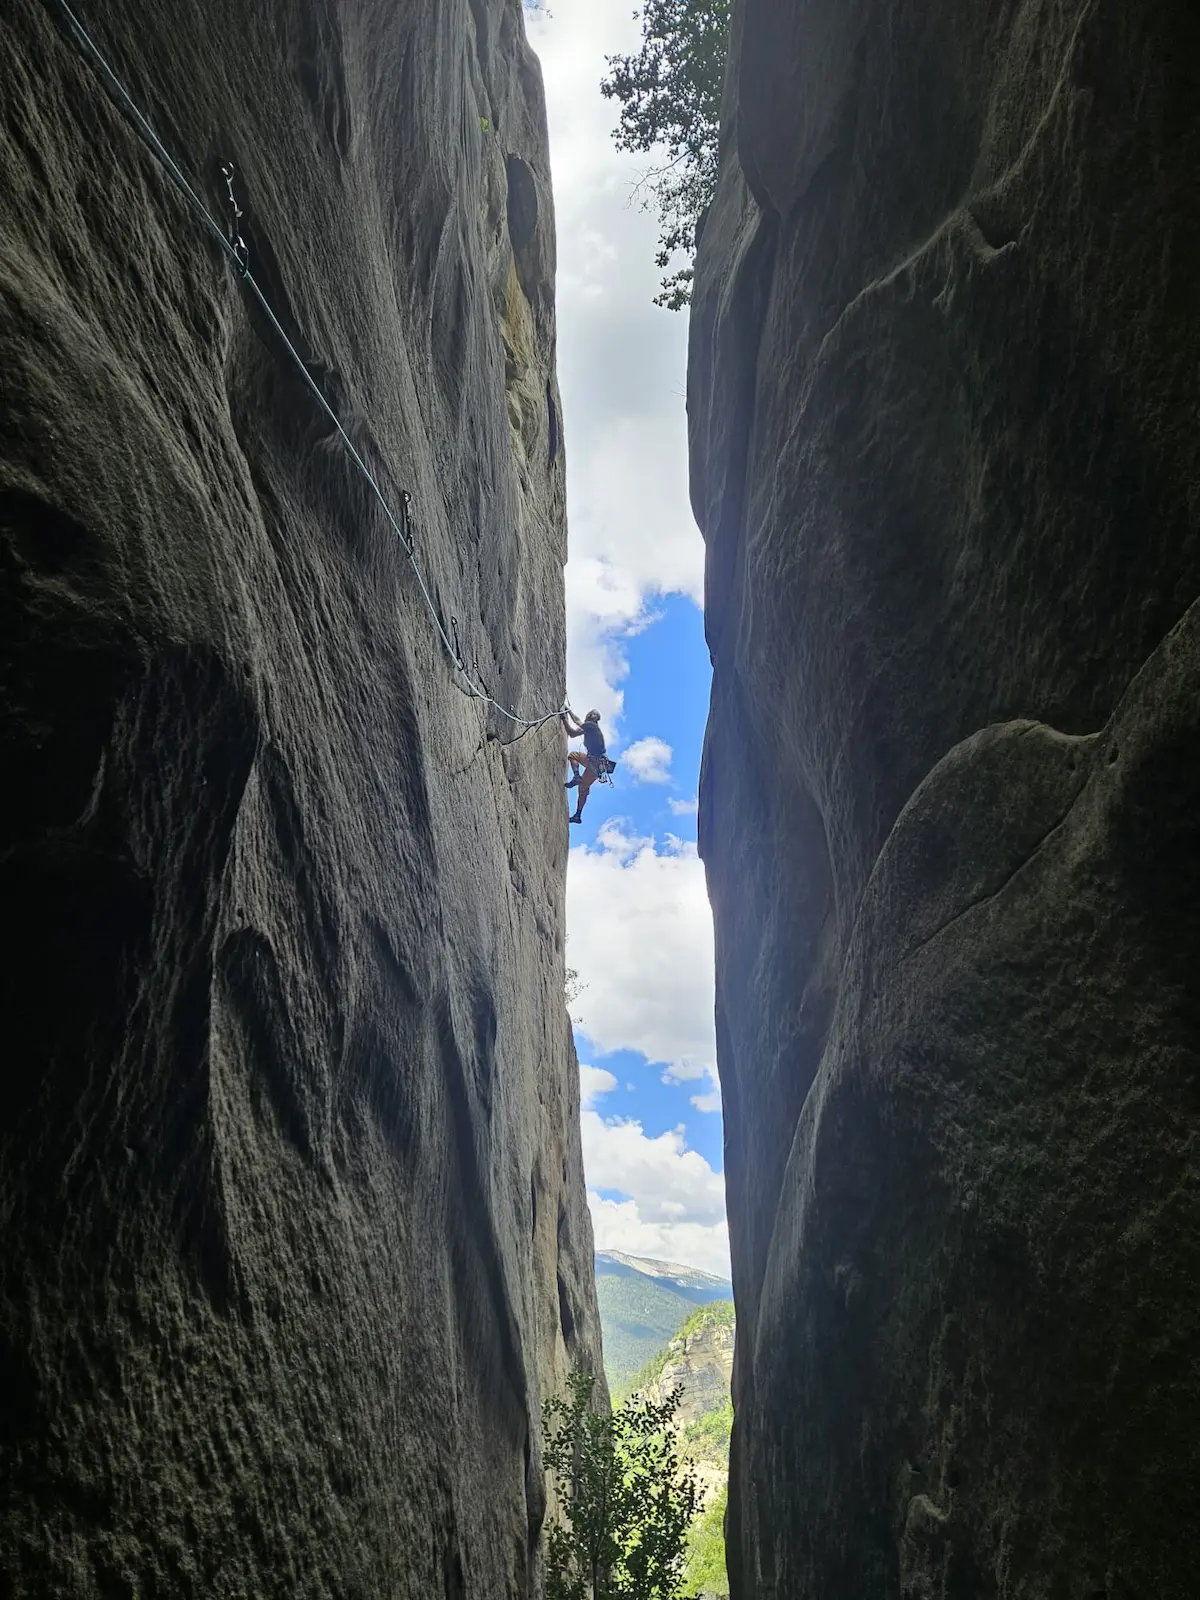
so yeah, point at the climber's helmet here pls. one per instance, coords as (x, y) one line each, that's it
(592, 716)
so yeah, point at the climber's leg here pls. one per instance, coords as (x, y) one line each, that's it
(586, 779)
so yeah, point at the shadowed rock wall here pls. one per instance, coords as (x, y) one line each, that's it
(295, 1237)
(943, 386)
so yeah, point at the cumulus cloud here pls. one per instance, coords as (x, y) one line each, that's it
(649, 760)
(664, 1200)
(710, 1100)
(642, 941)
(621, 362)
(671, 1182)
(597, 631)
(683, 1071)
(686, 1071)
(675, 1187)
(684, 808)
(594, 1082)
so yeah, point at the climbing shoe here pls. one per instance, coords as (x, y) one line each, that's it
(575, 818)
(572, 784)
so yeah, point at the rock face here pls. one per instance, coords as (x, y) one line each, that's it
(295, 1237)
(698, 1360)
(943, 387)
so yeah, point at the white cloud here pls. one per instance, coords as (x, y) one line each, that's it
(672, 1203)
(671, 1182)
(619, 1225)
(642, 941)
(641, 930)
(594, 1082)
(684, 808)
(599, 621)
(621, 362)
(664, 1199)
(686, 1071)
(649, 760)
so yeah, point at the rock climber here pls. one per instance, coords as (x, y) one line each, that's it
(590, 763)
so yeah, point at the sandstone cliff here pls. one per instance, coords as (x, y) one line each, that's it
(698, 1362)
(295, 1235)
(943, 386)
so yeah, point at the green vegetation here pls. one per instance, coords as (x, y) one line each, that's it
(707, 1438)
(716, 1314)
(703, 1443)
(626, 1502)
(627, 1296)
(705, 1571)
(638, 1316)
(670, 97)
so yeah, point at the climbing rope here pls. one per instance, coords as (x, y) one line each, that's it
(234, 248)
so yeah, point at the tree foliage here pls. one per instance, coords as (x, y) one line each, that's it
(626, 1503)
(573, 986)
(670, 98)
(709, 1433)
(706, 1549)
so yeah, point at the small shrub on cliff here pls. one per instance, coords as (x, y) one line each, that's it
(626, 1503)
(670, 96)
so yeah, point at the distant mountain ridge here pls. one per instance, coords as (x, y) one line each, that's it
(643, 1302)
(690, 1282)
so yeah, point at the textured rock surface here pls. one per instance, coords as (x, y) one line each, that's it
(943, 390)
(295, 1236)
(698, 1361)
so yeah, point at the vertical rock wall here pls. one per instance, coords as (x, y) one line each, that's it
(295, 1237)
(943, 389)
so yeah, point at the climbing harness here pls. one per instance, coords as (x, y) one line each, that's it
(234, 248)
(601, 767)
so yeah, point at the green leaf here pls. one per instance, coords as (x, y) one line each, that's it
(625, 1500)
(670, 99)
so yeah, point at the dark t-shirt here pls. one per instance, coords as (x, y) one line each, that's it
(593, 739)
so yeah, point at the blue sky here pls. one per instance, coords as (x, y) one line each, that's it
(665, 697)
(640, 930)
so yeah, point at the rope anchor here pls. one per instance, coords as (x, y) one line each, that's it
(237, 244)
